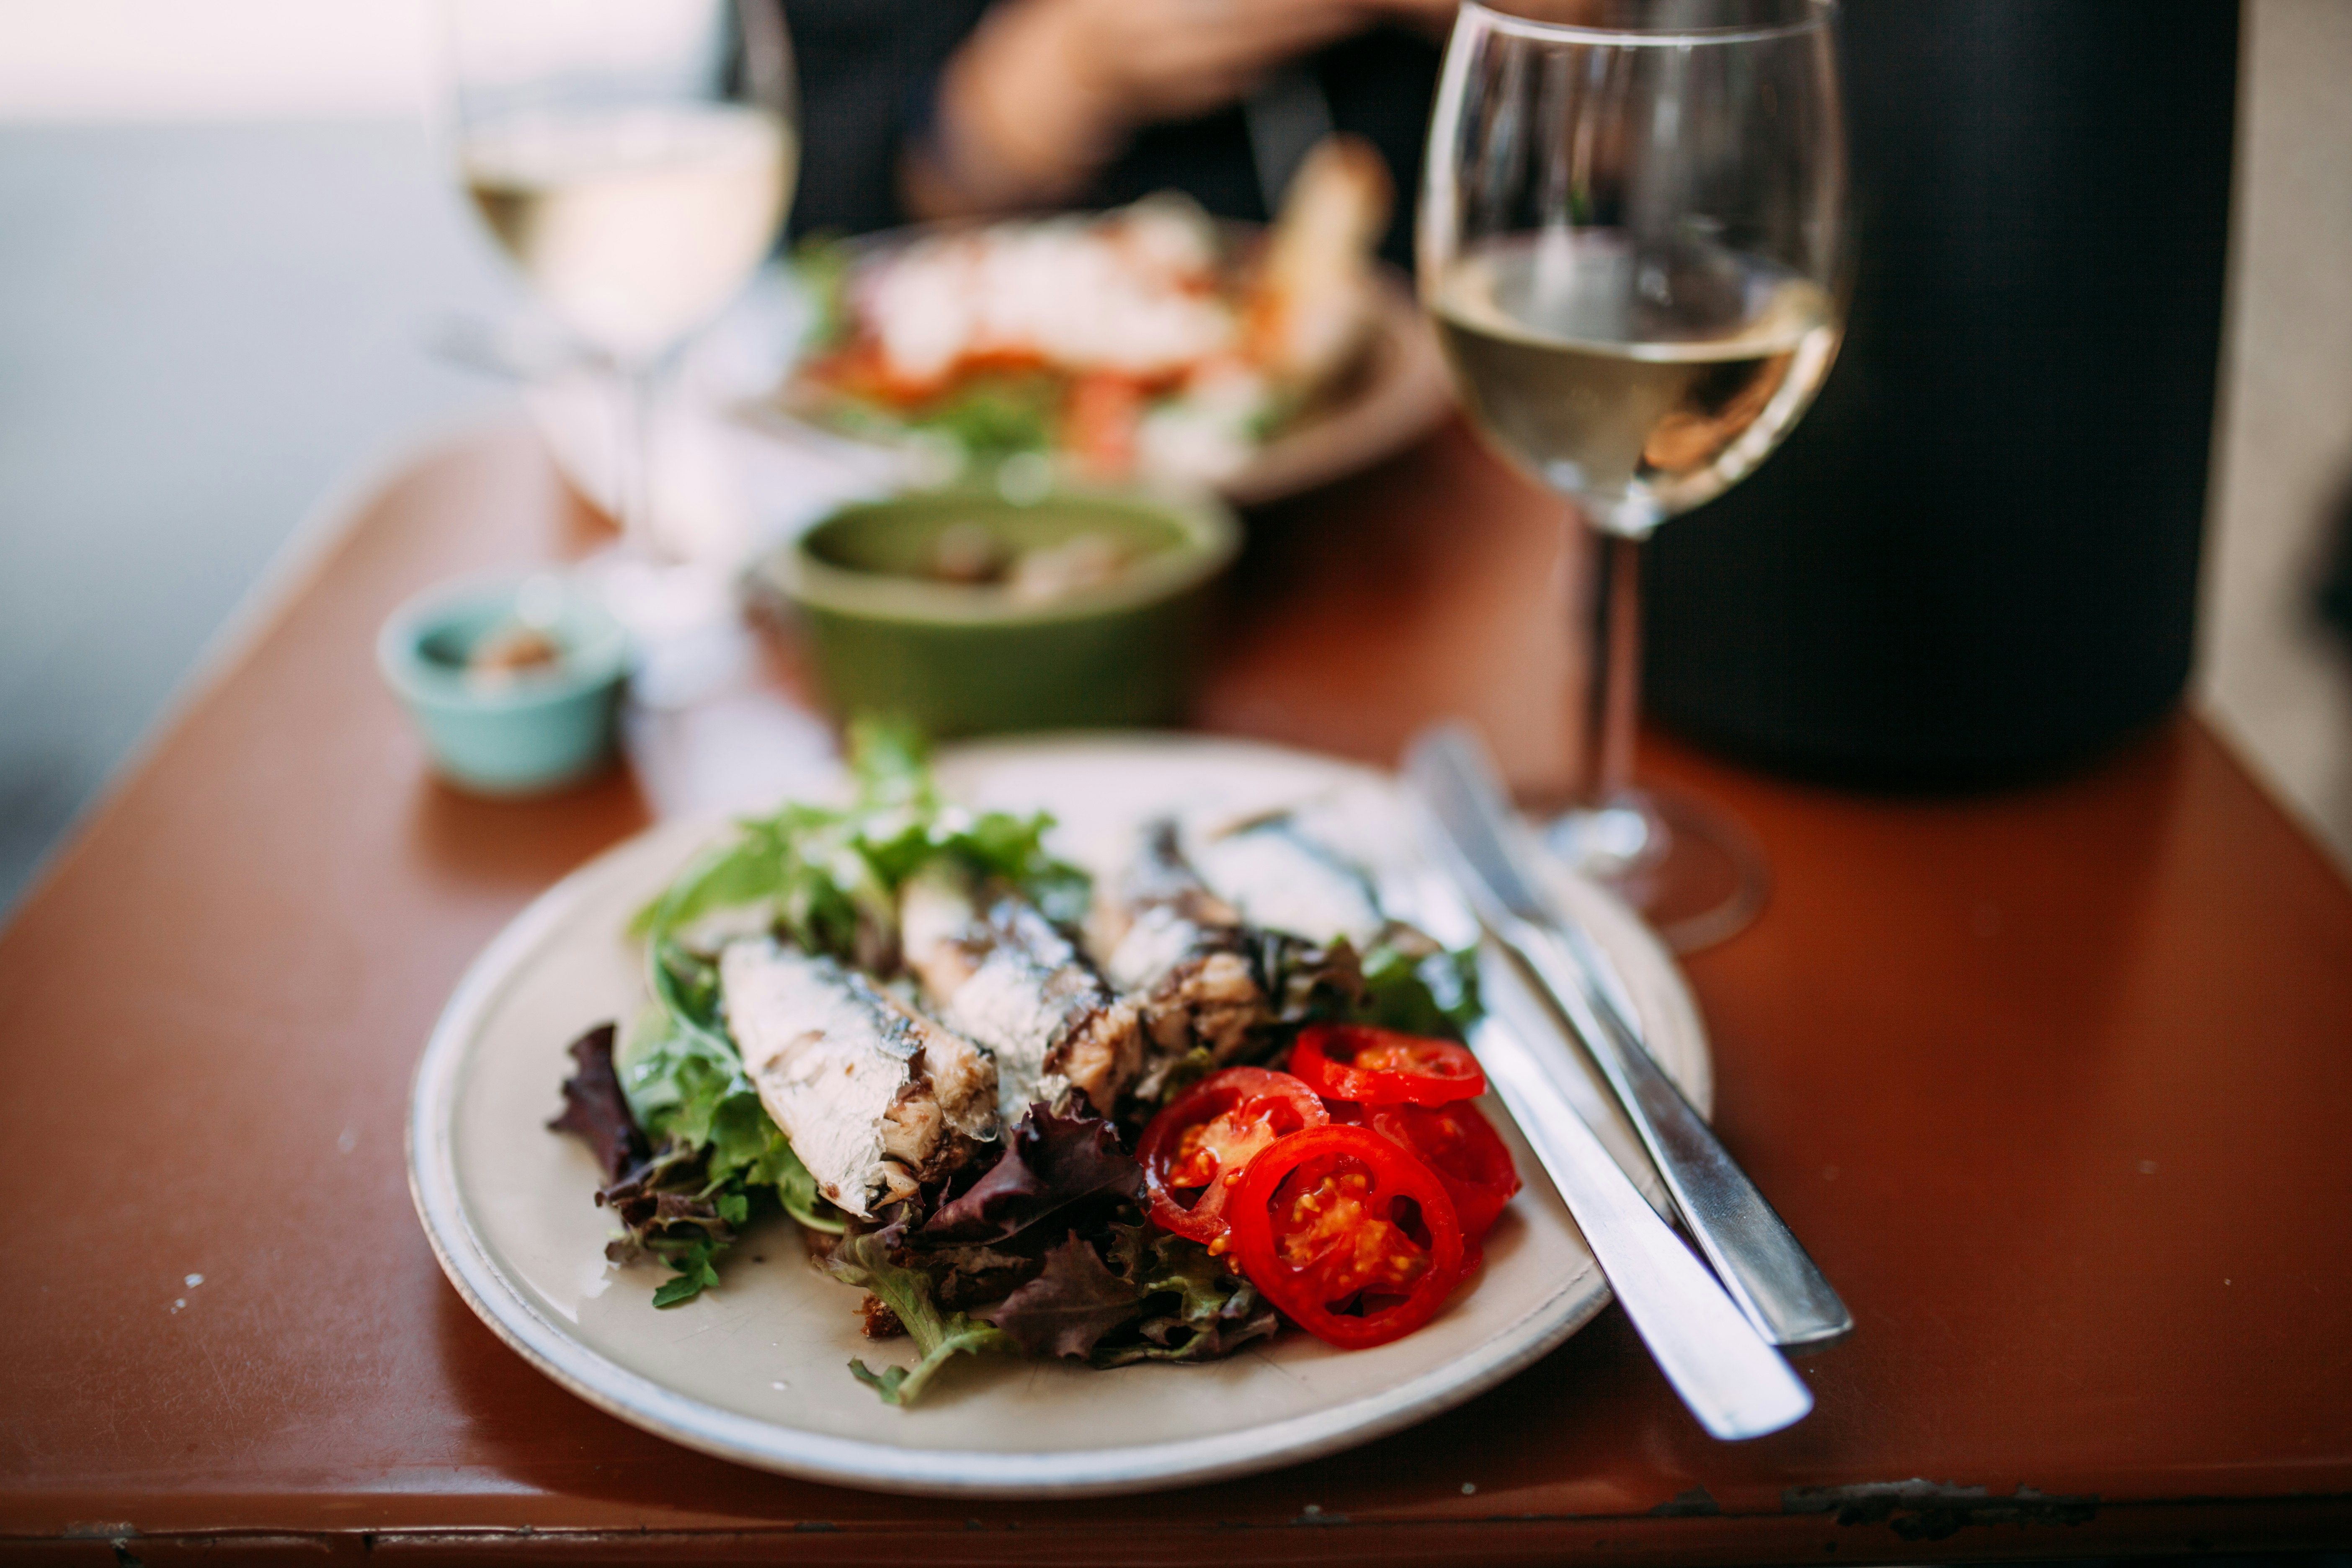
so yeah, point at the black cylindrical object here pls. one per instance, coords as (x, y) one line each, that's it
(1978, 553)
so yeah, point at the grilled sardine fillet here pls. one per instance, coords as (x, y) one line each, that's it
(996, 970)
(1279, 877)
(1180, 951)
(877, 1100)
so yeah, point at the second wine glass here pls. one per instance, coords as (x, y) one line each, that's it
(1631, 237)
(636, 160)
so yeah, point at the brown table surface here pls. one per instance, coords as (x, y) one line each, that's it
(2053, 1082)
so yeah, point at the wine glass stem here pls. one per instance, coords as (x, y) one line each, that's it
(634, 488)
(1612, 694)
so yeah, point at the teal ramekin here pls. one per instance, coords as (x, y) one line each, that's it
(529, 735)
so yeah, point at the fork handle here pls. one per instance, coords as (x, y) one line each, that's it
(1763, 1266)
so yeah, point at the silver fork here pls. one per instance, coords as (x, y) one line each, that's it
(1763, 1265)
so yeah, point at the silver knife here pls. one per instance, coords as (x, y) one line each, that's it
(1760, 1263)
(1735, 1384)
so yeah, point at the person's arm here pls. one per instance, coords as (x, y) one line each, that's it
(1046, 92)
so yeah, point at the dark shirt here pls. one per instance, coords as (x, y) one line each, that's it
(869, 69)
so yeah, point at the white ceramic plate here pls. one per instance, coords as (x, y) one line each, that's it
(755, 1371)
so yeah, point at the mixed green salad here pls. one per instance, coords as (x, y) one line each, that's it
(1035, 1233)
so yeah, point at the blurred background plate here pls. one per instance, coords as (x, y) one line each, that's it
(733, 470)
(1395, 391)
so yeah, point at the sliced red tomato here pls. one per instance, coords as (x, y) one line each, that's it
(1196, 1149)
(1354, 1239)
(1458, 1144)
(1380, 1066)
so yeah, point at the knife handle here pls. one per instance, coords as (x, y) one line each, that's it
(1733, 1383)
(1763, 1265)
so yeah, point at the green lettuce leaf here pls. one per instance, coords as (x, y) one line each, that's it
(822, 263)
(1413, 986)
(1192, 1309)
(864, 1260)
(687, 1088)
(827, 878)
(695, 1274)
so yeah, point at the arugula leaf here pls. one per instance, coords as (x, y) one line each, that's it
(864, 1260)
(1419, 988)
(741, 872)
(831, 873)
(893, 765)
(694, 1276)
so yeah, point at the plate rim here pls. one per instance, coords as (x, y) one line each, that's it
(641, 1401)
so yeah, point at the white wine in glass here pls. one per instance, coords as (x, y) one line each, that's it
(638, 227)
(1638, 414)
(1630, 243)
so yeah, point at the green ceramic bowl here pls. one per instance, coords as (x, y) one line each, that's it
(965, 660)
(523, 736)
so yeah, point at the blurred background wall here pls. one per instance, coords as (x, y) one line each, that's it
(225, 244)
(2273, 676)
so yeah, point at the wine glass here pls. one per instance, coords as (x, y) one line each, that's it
(1630, 241)
(634, 159)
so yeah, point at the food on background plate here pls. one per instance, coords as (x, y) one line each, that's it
(1030, 1116)
(1144, 342)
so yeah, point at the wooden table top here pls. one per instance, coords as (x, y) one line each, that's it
(2052, 1082)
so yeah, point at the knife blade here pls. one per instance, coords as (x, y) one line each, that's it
(1762, 1265)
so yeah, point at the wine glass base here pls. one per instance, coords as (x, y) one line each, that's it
(1694, 871)
(686, 632)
